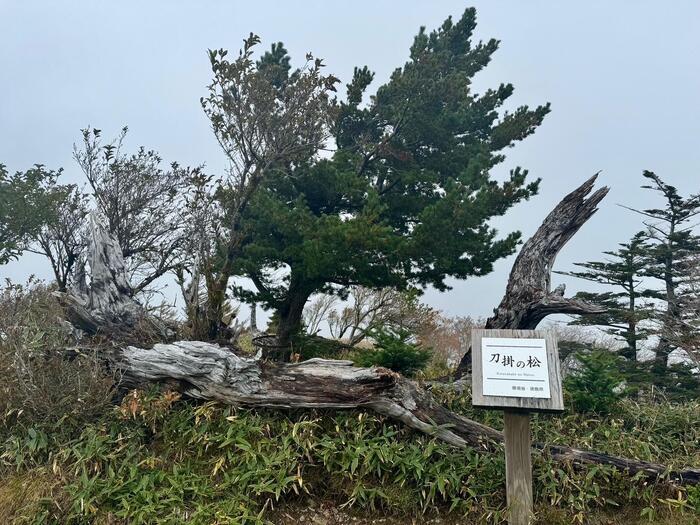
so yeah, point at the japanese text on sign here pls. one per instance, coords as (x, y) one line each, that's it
(514, 367)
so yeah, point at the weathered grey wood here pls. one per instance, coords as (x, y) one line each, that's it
(556, 401)
(516, 432)
(208, 371)
(106, 305)
(78, 313)
(528, 298)
(109, 293)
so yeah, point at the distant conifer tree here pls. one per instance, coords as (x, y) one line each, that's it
(627, 301)
(672, 251)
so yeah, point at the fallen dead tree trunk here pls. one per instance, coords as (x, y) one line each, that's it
(208, 371)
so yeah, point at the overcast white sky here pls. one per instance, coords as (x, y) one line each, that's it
(623, 78)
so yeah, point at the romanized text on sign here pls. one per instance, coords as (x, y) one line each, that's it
(514, 367)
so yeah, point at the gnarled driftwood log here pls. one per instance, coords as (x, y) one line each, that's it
(207, 371)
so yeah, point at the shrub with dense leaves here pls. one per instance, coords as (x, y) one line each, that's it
(593, 387)
(393, 350)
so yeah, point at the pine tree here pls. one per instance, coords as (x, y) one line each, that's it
(673, 247)
(622, 271)
(406, 198)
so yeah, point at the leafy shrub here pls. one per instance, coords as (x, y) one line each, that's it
(592, 387)
(159, 462)
(393, 350)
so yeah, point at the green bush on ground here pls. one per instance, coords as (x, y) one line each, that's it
(393, 350)
(594, 387)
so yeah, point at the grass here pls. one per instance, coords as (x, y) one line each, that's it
(159, 459)
(31, 496)
(69, 456)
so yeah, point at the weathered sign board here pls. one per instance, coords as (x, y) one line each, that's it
(517, 371)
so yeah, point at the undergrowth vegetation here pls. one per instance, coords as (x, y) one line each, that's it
(393, 350)
(75, 449)
(159, 459)
(47, 374)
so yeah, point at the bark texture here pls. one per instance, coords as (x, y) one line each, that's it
(105, 304)
(208, 371)
(529, 298)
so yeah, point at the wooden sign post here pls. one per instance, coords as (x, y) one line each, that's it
(517, 371)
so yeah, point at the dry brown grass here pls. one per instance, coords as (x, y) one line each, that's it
(27, 496)
(47, 374)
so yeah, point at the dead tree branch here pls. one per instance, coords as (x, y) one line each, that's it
(528, 298)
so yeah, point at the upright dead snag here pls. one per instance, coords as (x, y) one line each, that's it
(528, 298)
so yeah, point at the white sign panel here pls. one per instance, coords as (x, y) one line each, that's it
(514, 367)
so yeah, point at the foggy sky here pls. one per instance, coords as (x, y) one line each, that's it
(622, 77)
